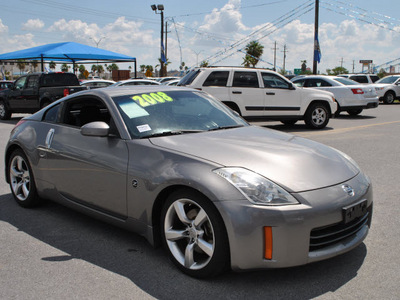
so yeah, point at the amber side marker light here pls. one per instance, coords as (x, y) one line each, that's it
(268, 242)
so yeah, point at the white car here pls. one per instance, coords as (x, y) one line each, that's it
(361, 78)
(388, 88)
(97, 83)
(135, 82)
(263, 94)
(351, 96)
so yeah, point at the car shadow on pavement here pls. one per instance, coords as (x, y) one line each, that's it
(129, 255)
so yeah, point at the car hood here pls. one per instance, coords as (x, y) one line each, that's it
(295, 163)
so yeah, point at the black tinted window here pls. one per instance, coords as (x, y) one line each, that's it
(59, 79)
(374, 78)
(360, 79)
(316, 83)
(217, 78)
(51, 114)
(245, 79)
(33, 82)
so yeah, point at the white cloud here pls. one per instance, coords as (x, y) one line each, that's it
(33, 24)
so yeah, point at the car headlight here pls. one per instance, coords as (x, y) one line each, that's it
(257, 189)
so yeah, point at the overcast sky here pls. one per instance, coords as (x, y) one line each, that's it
(349, 31)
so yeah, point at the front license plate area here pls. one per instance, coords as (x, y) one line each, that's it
(354, 211)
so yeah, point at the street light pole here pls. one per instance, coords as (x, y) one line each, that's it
(160, 8)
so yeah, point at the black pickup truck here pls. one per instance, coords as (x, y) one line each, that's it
(31, 92)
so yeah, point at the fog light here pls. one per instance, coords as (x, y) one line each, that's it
(268, 242)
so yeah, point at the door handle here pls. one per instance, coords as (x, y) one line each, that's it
(270, 94)
(49, 138)
(236, 92)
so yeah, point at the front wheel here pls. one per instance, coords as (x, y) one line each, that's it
(5, 113)
(389, 97)
(21, 178)
(354, 112)
(317, 116)
(194, 234)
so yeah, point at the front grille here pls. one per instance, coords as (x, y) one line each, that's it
(328, 235)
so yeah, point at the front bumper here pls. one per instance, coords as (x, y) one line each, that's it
(292, 226)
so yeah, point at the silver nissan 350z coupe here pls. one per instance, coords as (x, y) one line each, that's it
(178, 167)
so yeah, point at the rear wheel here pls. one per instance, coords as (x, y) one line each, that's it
(317, 116)
(5, 113)
(354, 112)
(22, 182)
(194, 235)
(389, 97)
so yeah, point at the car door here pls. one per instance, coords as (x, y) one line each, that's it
(15, 97)
(87, 170)
(281, 97)
(247, 94)
(30, 93)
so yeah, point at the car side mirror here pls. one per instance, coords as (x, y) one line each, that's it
(98, 128)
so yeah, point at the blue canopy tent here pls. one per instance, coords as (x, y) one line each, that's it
(68, 51)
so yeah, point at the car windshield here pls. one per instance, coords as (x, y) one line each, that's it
(174, 112)
(390, 79)
(346, 81)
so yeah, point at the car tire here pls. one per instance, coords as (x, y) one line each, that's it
(289, 122)
(317, 116)
(22, 183)
(389, 97)
(194, 234)
(354, 112)
(5, 113)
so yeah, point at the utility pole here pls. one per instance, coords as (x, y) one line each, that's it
(341, 62)
(316, 43)
(284, 57)
(353, 66)
(166, 41)
(160, 8)
(275, 55)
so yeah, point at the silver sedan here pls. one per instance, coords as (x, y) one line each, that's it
(178, 167)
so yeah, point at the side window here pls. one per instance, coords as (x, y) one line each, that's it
(274, 81)
(299, 83)
(20, 83)
(360, 79)
(85, 110)
(51, 114)
(314, 82)
(374, 78)
(217, 78)
(245, 79)
(33, 82)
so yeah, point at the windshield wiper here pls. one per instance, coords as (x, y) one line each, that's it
(171, 132)
(225, 127)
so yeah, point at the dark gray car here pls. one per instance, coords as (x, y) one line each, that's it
(178, 167)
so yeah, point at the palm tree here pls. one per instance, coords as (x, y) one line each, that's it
(65, 67)
(254, 50)
(34, 64)
(52, 65)
(21, 65)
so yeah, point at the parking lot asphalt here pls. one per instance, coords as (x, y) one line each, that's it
(51, 252)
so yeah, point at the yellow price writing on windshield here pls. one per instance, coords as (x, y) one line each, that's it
(152, 99)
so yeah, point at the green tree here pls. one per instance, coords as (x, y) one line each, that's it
(142, 68)
(52, 65)
(21, 65)
(337, 71)
(254, 50)
(94, 68)
(100, 69)
(65, 67)
(382, 73)
(204, 64)
(34, 64)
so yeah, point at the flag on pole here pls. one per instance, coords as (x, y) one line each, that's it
(317, 50)
(163, 59)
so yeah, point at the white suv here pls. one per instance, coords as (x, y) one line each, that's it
(361, 78)
(260, 93)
